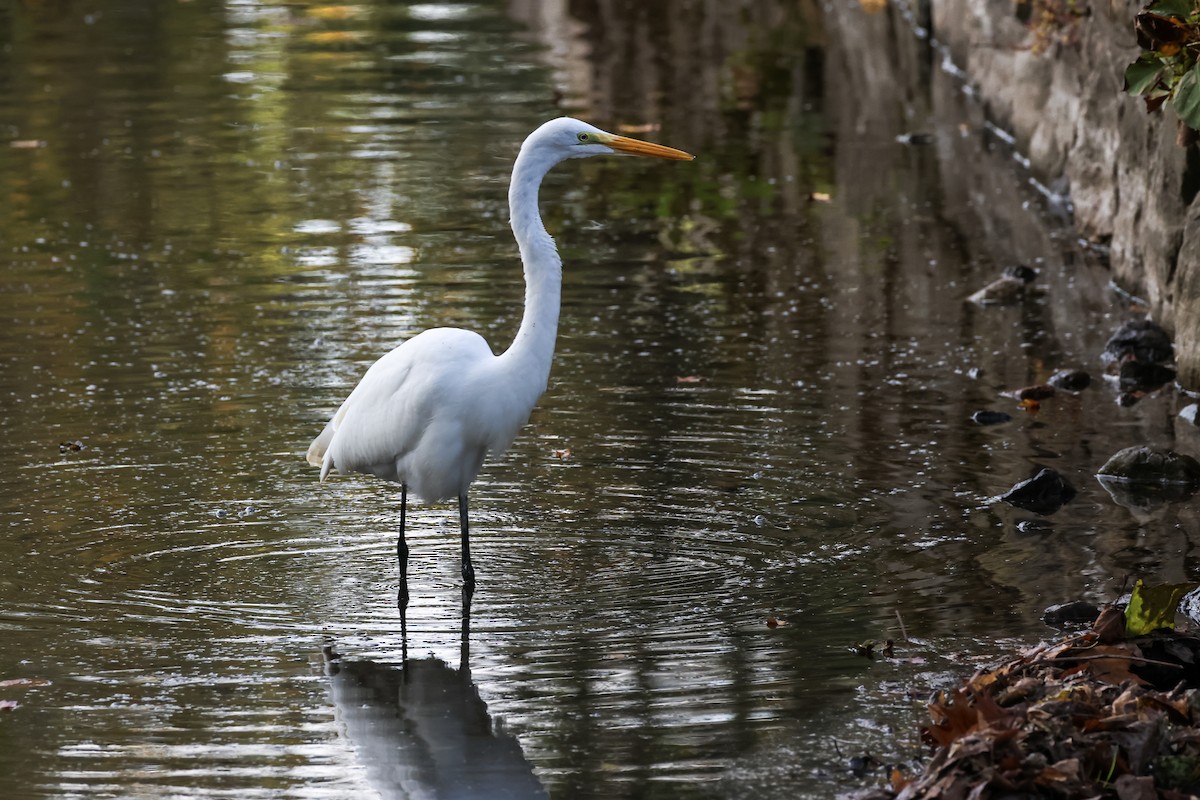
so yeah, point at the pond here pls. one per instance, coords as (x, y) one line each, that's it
(756, 451)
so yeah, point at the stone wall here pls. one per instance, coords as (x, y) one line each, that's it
(1132, 186)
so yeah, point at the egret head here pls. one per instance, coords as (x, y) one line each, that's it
(572, 138)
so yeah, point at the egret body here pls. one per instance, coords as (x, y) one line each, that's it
(428, 413)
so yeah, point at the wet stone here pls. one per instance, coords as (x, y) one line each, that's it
(1144, 479)
(1070, 380)
(1039, 392)
(1189, 606)
(1076, 612)
(1142, 464)
(1140, 376)
(990, 417)
(1044, 493)
(1140, 340)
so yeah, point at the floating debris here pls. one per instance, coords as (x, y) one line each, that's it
(1100, 714)
(1008, 288)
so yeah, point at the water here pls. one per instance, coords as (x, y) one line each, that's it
(216, 216)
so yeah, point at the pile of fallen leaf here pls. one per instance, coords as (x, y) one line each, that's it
(1099, 715)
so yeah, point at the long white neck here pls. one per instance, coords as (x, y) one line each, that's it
(533, 348)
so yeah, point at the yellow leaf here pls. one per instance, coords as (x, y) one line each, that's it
(1153, 607)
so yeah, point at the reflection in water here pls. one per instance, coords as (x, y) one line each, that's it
(216, 214)
(421, 730)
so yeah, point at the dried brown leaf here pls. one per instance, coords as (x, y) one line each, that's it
(1109, 627)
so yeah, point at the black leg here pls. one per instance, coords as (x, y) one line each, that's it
(468, 571)
(464, 648)
(402, 558)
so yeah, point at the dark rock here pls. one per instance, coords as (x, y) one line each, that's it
(1043, 494)
(1022, 272)
(1139, 376)
(1077, 612)
(1039, 392)
(990, 417)
(1070, 380)
(1143, 464)
(1140, 340)
(1145, 479)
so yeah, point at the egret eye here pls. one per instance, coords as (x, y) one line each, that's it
(583, 137)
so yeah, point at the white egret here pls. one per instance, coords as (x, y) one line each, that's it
(427, 413)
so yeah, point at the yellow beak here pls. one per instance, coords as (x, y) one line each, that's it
(636, 147)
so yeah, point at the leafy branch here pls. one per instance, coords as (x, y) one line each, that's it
(1169, 32)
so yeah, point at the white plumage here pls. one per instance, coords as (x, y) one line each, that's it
(428, 413)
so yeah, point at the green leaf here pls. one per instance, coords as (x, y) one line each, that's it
(1186, 100)
(1153, 607)
(1172, 8)
(1142, 74)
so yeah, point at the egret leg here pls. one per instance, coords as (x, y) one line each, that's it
(468, 571)
(464, 648)
(402, 556)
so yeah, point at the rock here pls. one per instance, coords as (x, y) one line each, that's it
(1077, 612)
(1140, 376)
(1188, 414)
(1008, 288)
(1042, 494)
(1132, 787)
(1140, 340)
(1141, 464)
(1189, 606)
(1040, 391)
(990, 417)
(1070, 380)
(1145, 479)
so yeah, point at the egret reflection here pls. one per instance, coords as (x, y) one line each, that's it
(421, 730)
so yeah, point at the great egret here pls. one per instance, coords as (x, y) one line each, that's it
(427, 413)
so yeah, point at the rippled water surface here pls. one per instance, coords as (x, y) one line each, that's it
(215, 216)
